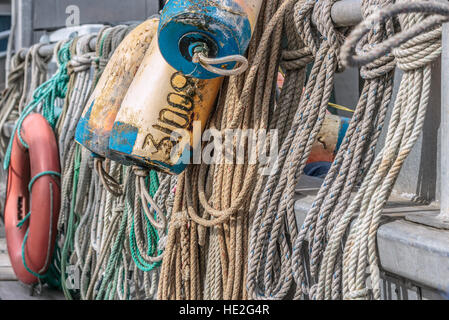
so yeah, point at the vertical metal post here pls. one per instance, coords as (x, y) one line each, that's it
(444, 128)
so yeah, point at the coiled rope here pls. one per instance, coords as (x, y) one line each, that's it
(44, 96)
(245, 102)
(349, 166)
(415, 48)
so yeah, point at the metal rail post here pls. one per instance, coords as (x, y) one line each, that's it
(444, 127)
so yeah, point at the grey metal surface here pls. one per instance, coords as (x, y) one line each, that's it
(346, 90)
(98, 11)
(420, 172)
(415, 252)
(47, 50)
(4, 34)
(23, 35)
(5, 7)
(445, 124)
(346, 13)
(14, 290)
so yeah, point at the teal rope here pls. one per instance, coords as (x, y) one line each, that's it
(22, 222)
(49, 275)
(30, 186)
(152, 235)
(44, 173)
(113, 258)
(56, 87)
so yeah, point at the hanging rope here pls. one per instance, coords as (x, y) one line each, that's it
(45, 94)
(245, 103)
(354, 156)
(270, 262)
(10, 98)
(21, 87)
(414, 56)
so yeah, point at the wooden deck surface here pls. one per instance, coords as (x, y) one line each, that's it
(10, 288)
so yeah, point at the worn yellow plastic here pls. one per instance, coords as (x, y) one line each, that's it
(159, 114)
(94, 128)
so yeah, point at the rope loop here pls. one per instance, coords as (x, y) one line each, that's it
(303, 23)
(207, 63)
(18, 69)
(296, 59)
(179, 219)
(325, 26)
(139, 172)
(80, 63)
(385, 64)
(439, 13)
(148, 201)
(40, 61)
(419, 51)
(108, 182)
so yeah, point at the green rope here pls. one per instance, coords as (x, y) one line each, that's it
(50, 276)
(44, 173)
(114, 257)
(71, 223)
(45, 94)
(21, 223)
(152, 235)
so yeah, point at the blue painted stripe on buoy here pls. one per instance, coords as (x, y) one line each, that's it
(344, 124)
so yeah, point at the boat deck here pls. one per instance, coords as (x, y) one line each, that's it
(10, 288)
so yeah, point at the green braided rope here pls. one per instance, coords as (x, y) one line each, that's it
(51, 275)
(55, 87)
(152, 235)
(44, 173)
(68, 243)
(114, 257)
(100, 72)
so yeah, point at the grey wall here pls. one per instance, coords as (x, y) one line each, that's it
(35, 17)
(51, 14)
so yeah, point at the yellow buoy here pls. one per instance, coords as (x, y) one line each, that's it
(159, 114)
(94, 128)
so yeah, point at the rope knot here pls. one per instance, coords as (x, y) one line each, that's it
(18, 70)
(119, 208)
(179, 219)
(330, 35)
(417, 45)
(378, 67)
(361, 294)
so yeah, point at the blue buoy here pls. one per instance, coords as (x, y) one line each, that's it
(217, 28)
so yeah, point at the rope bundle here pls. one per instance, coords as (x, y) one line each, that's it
(25, 76)
(415, 56)
(226, 231)
(355, 155)
(109, 233)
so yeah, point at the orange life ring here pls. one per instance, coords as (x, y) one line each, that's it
(33, 181)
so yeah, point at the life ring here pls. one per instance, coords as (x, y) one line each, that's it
(33, 181)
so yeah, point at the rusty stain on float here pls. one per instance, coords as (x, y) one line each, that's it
(94, 128)
(155, 125)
